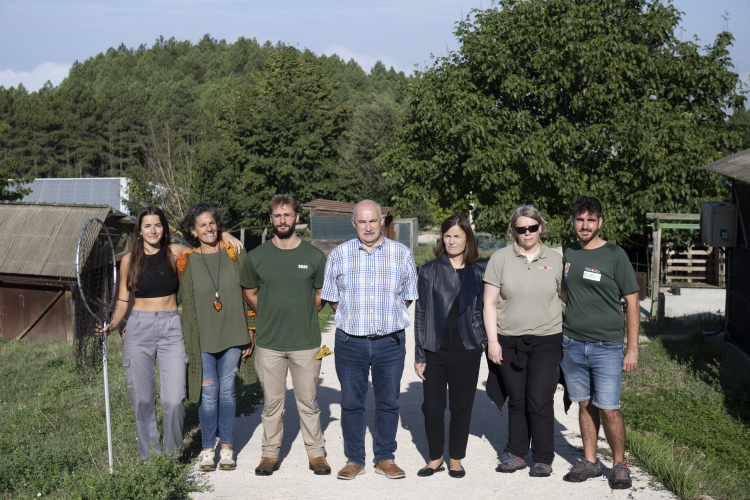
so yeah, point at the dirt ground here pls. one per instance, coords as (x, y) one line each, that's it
(488, 436)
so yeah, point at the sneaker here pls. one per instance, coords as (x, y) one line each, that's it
(582, 471)
(389, 469)
(206, 463)
(541, 470)
(350, 471)
(510, 463)
(621, 477)
(227, 459)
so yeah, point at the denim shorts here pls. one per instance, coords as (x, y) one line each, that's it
(593, 371)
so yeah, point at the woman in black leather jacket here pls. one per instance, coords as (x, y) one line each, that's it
(450, 338)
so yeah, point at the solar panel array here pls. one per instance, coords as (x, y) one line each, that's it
(93, 191)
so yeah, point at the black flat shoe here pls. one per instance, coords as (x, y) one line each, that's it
(457, 473)
(427, 471)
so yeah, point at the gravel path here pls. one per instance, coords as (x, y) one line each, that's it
(489, 432)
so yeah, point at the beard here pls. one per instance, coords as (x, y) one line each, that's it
(282, 232)
(590, 237)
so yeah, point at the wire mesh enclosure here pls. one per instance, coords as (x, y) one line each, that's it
(94, 293)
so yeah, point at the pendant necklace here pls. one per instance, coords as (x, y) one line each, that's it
(217, 302)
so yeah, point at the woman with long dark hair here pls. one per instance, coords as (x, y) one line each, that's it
(147, 298)
(449, 341)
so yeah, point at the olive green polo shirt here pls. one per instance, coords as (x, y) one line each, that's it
(528, 303)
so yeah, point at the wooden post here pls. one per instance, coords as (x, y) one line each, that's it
(69, 326)
(263, 236)
(242, 236)
(656, 270)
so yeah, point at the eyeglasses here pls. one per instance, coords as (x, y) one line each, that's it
(278, 217)
(524, 230)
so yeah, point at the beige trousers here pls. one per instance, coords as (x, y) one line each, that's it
(272, 367)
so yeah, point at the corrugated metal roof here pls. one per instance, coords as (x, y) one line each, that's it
(736, 166)
(335, 206)
(88, 191)
(40, 239)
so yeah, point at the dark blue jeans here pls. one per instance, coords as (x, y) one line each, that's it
(354, 358)
(217, 404)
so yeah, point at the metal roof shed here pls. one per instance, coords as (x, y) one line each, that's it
(37, 265)
(737, 168)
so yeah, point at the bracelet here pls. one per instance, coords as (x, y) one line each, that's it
(127, 301)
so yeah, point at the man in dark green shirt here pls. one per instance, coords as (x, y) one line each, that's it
(596, 275)
(282, 280)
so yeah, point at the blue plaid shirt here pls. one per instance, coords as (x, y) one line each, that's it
(370, 287)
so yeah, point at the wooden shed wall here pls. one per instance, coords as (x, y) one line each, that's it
(21, 302)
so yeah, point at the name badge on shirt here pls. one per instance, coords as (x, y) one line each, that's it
(592, 274)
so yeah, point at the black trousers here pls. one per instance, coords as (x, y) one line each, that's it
(458, 369)
(531, 391)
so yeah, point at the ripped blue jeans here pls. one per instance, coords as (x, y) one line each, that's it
(217, 404)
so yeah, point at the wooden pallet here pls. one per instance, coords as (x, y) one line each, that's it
(695, 264)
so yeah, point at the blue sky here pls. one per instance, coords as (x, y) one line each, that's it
(40, 39)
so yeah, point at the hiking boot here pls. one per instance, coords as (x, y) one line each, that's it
(510, 463)
(227, 459)
(320, 466)
(389, 469)
(582, 471)
(621, 477)
(541, 470)
(266, 466)
(350, 471)
(206, 461)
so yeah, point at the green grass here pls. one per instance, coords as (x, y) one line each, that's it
(53, 434)
(688, 413)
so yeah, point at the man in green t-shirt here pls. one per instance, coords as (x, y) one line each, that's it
(596, 275)
(282, 280)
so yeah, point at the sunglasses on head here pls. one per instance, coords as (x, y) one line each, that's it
(524, 230)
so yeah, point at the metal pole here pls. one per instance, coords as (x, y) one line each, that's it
(106, 401)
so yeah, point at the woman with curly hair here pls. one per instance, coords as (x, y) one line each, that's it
(147, 298)
(215, 320)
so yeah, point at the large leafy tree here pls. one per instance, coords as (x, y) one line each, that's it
(278, 135)
(547, 100)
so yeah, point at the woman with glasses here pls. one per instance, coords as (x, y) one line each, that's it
(523, 320)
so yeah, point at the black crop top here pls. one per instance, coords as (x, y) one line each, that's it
(157, 281)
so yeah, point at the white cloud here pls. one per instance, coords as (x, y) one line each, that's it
(35, 79)
(367, 61)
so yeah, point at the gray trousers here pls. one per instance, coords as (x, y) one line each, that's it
(150, 338)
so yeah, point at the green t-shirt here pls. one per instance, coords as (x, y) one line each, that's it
(226, 328)
(596, 280)
(286, 280)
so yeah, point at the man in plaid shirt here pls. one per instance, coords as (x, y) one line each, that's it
(370, 282)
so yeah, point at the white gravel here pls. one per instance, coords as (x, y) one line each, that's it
(489, 432)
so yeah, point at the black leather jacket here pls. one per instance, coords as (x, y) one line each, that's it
(438, 288)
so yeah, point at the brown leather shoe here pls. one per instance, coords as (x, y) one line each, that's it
(389, 469)
(350, 471)
(320, 466)
(267, 466)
